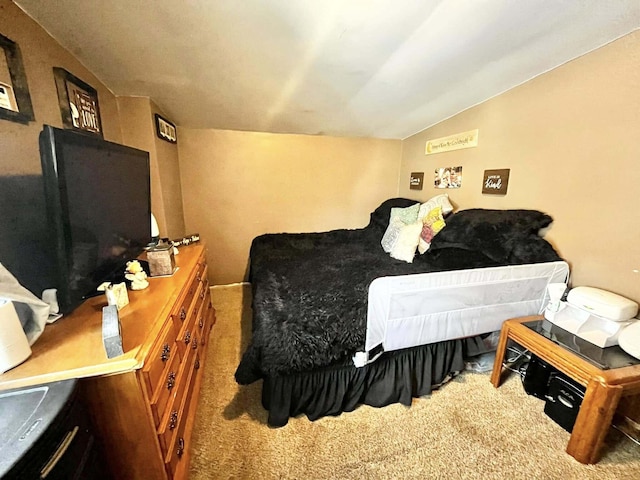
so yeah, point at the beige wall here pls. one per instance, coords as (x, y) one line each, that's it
(570, 140)
(139, 131)
(237, 185)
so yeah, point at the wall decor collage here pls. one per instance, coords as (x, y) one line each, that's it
(78, 101)
(495, 182)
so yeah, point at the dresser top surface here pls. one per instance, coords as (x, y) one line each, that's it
(72, 347)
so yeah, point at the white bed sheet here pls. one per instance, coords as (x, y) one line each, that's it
(410, 310)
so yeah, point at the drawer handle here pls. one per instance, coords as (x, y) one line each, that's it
(202, 294)
(187, 337)
(201, 322)
(59, 453)
(183, 314)
(180, 449)
(171, 380)
(166, 352)
(194, 343)
(196, 366)
(173, 419)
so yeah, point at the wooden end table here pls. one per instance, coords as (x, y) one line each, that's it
(604, 387)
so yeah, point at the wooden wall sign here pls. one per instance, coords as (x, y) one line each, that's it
(452, 142)
(78, 103)
(416, 180)
(165, 129)
(495, 182)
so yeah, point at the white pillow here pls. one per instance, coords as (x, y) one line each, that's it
(397, 219)
(407, 241)
(441, 200)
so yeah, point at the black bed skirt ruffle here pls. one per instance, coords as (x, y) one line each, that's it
(395, 377)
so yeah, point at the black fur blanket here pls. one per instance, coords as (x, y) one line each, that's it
(310, 289)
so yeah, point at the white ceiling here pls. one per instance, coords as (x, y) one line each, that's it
(360, 68)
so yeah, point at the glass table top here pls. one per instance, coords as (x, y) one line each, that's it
(603, 358)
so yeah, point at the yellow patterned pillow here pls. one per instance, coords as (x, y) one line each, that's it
(432, 223)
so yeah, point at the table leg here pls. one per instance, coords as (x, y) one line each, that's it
(593, 421)
(496, 374)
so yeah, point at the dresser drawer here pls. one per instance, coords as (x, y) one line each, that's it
(182, 311)
(160, 356)
(189, 328)
(177, 439)
(206, 317)
(166, 389)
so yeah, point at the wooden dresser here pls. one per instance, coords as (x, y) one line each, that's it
(143, 403)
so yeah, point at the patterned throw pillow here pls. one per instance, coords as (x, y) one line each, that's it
(432, 223)
(399, 217)
(441, 200)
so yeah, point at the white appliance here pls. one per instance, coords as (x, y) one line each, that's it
(14, 346)
(592, 314)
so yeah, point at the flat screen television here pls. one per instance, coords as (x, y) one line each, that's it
(98, 205)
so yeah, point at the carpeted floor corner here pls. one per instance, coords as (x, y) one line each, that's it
(465, 430)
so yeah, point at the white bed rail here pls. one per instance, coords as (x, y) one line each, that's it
(410, 310)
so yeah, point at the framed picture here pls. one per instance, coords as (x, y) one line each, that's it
(448, 177)
(166, 130)
(78, 103)
(15, 101)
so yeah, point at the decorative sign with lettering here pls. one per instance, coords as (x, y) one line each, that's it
(495, 182)
(78, 103)
(417, 178)
(165, 129)
(452, 142)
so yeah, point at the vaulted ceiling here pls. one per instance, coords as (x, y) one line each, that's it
(360, 68)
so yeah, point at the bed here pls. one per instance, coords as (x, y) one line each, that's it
(311, 342)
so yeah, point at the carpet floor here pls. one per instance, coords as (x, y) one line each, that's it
(468, 429)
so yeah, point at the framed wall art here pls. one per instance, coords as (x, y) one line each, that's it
(166, 130)
(448, 177)
(15, 101)
(78, 101)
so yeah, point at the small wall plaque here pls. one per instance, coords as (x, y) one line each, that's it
(495, 182)
(416, 180)
(166, 130)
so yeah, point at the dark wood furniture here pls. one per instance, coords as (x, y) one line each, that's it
(143, 402)
(604, 388)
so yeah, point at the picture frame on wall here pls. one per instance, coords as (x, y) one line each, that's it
(79, 104)
(15, 100)
(165, 130)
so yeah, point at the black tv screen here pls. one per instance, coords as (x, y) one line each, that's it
(99, 209)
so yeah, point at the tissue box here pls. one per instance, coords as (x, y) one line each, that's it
(161, 260)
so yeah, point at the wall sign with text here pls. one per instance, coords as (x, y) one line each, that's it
(78, 103)
(495, 182)
(416, 180)
(452, 142)
(165, 129)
